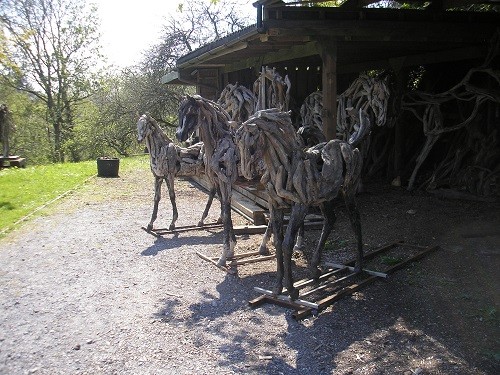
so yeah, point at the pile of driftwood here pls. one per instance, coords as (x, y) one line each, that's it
(457, 119)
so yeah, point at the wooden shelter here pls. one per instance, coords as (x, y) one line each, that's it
(326, 48)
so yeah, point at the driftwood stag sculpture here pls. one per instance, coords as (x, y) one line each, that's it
(300, 178)
(169, 160)
(221, 156)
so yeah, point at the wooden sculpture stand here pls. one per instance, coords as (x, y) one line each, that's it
(340, 274)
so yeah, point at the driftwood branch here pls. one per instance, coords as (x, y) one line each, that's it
(467, 97)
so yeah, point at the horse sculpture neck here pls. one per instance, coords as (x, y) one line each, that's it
(197, 113)
(156, 137)
(163, 153)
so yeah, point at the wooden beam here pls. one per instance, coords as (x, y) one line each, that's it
(283, 54)
(329, 82)
(425, 31)
(449, 55)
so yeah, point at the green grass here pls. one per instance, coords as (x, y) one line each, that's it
(335, 244)
(22, 190)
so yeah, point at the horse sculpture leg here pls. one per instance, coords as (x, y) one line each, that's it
(299, 243)
(229, 238)
(277, 228)
(171, 192)
(355, 220)
(211, 195)
(296, 220)
(154, 215)
(328, 222)
(263, 249)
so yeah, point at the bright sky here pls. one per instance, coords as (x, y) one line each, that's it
(131, 26)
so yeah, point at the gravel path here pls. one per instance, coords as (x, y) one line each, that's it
(83, 290)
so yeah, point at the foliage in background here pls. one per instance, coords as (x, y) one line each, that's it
(52, 49)
(29, 136)
(24, 190)
(65, 111)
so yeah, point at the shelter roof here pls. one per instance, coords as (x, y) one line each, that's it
(365, 38)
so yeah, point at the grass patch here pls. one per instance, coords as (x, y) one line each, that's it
(335, 244)
(22, 190)
(390, 260)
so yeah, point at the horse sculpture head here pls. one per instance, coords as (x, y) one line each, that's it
(143, 128)
(189, 113)
(250, 144)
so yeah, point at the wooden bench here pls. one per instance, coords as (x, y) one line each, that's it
(12, 161)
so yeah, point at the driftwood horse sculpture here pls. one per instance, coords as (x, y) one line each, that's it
(300, 178)
(169, 160)
(311, 135)
(221, 156)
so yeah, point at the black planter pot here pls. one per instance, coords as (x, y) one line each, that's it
(108, 167)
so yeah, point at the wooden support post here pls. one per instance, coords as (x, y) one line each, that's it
(401, 78)
(329, 83)
(263, 88)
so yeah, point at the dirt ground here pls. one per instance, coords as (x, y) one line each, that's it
(84, 290)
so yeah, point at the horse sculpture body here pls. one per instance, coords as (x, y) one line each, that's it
(221, 157)
(300, 178)
(167, 161)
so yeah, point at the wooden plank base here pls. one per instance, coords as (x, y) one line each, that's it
(237, 260)
(304, 308)
(186, 228)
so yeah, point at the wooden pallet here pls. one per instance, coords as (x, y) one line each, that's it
(335, 276)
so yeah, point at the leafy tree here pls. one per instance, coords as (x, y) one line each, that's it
(52, 48)
(110, 128)
(195, 23)
(29, 134)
